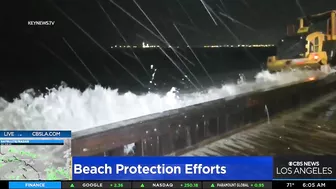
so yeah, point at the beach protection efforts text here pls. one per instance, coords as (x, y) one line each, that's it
(158, 169)
(172, 168)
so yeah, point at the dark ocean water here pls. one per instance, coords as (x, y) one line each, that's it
(37, 68)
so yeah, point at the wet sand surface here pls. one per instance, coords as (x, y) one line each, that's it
(310, 129)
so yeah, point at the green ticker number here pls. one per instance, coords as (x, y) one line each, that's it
(258, 185)
(117, 185)
(190, 185)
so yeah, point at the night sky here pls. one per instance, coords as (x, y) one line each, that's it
(29, 62)
(266, 20)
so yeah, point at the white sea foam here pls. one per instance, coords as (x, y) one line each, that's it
(69, 109)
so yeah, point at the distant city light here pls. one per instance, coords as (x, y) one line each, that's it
(146, 45)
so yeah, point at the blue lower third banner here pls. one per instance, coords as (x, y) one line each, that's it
(172, 168)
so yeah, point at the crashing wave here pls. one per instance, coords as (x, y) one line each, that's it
(66, 108)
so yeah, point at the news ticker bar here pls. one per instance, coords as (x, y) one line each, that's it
(173, 184)
(31, 142)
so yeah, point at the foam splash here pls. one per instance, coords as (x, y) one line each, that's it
(67, 108)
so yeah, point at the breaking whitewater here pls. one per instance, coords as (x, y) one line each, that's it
(67, 108)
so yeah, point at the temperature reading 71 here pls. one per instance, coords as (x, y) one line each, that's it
(290, 184)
